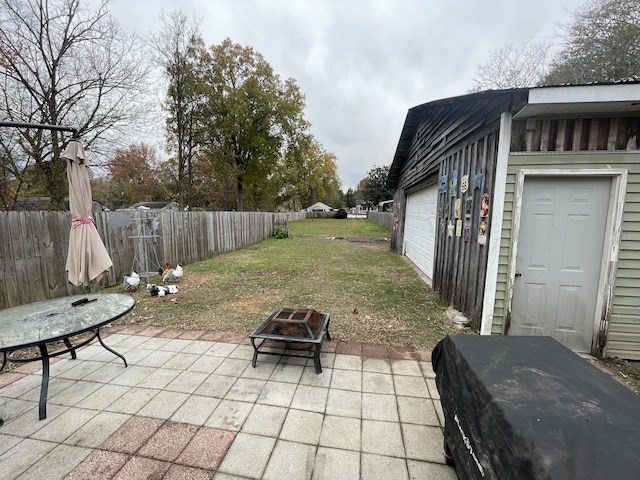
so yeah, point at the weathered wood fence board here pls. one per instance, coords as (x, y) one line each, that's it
(382, 218)
(34, 245)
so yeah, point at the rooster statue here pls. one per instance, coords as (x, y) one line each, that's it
(173, 274)
(132, 281)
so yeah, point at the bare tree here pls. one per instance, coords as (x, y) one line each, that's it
(177, 48)
(513, 66)
(65, 64)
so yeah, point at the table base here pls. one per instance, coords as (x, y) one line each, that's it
(45, 356)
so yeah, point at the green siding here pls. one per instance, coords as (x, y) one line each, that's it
(623, 338)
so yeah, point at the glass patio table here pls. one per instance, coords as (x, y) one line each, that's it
(43, 323)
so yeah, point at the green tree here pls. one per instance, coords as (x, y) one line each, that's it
(339, 202)
(251, 114)
(307, 174)
(603, 44)
(68, 65)
(350, 198)
(374, 186)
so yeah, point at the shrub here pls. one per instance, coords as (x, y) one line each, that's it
(341, 213)
(280, 232)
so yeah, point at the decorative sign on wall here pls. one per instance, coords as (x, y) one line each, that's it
(478, 179)
(458, 228)
(482, 233)
(464, 184)
(466, 230)
(456, 211)
(450, 228)
(453, 184)
(443, 184)
(484, 207)
(468, 207)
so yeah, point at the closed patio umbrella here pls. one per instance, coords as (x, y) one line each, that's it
(87, 259)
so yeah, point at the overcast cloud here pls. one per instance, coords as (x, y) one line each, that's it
(363, 63)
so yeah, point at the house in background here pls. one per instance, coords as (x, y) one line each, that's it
(152, 205)
(385, 206)
(523, 208)
(319, 207)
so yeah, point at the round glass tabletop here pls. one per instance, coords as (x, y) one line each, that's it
(55, 319)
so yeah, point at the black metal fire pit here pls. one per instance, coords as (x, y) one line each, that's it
(291, 325)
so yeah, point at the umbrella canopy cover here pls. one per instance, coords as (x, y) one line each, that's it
(87, 259)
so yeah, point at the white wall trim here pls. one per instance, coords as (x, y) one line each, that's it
(497, 214)
(584, 94)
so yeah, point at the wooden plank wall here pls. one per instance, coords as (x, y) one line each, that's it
(462, 137)
(460, 265)
(33, 245)
(576, 135)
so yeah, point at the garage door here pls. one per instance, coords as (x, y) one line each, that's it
(420, 228)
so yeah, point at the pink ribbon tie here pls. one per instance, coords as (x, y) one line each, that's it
(77, 221)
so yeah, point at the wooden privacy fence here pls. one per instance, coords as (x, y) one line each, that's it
(33, 245)
(382, 218)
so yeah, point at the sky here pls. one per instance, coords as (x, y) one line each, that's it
(362, 64)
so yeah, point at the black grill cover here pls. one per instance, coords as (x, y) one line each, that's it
(529, 408)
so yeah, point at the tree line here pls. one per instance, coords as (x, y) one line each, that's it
(235, 131)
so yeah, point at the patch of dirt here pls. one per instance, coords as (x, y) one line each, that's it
(626, 372)
(352, 239)
(367, 239)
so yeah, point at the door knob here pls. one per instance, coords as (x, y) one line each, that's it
(518, 274)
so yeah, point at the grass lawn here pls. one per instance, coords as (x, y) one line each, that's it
(343, 267)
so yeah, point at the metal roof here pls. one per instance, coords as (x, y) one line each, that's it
(431, 111)
(552, 101)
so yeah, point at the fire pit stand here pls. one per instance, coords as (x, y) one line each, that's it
(298, 326)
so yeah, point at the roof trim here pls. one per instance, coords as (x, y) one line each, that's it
(579, 100)
(622, 92)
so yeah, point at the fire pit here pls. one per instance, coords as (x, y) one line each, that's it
(290, 325)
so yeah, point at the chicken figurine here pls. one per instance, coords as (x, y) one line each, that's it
(132, 281)
(173, 274)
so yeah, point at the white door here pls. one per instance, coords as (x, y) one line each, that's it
(420, 228)
(560, 248)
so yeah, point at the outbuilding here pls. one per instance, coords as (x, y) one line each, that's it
(319, 207)
(523, 208)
